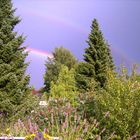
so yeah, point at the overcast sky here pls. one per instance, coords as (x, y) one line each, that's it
(52, 23)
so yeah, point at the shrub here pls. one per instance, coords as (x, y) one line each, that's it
(122, 99)
(65, 86)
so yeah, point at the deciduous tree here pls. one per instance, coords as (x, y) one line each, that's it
(61, 56)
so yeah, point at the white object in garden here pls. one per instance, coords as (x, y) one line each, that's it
(55, 138)
(12, 138)
(43, 103)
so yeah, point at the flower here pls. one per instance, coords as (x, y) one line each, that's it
(8, 131)
(47, 136)
(32, 135)
(39, 134)
(29, 137)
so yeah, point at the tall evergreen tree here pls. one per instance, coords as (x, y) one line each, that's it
(61, 56)
(97, 59)
(13, 81)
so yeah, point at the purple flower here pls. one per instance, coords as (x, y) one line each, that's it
(39, 136)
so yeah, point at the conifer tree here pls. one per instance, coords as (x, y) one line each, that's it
(13, 81)
(61, 56)
(97, 58)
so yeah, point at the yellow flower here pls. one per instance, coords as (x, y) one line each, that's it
(32, 135)
(8, 131)
(29, 137)
(47, 136)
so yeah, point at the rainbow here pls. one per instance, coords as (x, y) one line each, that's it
(69, 24)
(55, 19)
(40, 53)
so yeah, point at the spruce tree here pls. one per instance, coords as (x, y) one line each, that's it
(97, 58)
(13, 81)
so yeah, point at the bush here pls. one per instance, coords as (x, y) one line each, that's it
(21, 112)
(65, 86)
(122, 100)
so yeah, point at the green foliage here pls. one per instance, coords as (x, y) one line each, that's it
(67, 114)
(28, 105)
(13, 81)
(85, 82)
(65, 85)
(61, 56)
(97, 58)
(122, 100)
(138, 77)
(65, 57)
